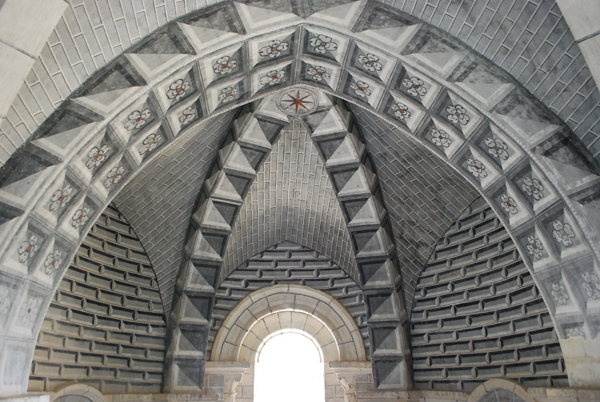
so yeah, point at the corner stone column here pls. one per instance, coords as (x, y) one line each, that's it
(223, 378)
(346, 373)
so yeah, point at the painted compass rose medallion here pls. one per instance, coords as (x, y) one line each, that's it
(297, 102)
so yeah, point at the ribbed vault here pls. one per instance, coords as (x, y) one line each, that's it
(152, 119)
(161, 199)
(291, 199)
(307, 182)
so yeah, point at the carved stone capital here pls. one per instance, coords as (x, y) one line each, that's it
(232, 373)
(346, 374)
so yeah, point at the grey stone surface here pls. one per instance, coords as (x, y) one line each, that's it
(528, 39)
(292, 198)
(106, 316)
(477, 306)
(532, 42)
(162, 221)
(29, 184)
(289, 263)
(422, 196)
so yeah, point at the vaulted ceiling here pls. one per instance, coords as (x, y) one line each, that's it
(188, 132)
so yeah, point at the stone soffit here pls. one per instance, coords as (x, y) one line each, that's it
(412, 76)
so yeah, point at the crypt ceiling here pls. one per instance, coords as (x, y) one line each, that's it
(403, 126)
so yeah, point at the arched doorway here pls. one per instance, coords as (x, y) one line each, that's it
(289, 363)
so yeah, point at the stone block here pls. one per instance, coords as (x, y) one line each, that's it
(14, 66)
(581, 361)
(260, 308)
(582, 16)
(27, 24)
(590, 49)
(247, 392)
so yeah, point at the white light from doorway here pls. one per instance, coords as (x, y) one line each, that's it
(289, 367)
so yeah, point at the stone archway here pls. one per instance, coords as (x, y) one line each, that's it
(500, 391)
(79, 393)
(60, 157)
(302, 308)
(280, 308)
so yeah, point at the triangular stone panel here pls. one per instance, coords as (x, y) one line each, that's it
(198, 248)
(256, 18)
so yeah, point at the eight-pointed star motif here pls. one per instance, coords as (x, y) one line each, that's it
(298, 102)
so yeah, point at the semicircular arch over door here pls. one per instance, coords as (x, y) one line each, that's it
(288, 307)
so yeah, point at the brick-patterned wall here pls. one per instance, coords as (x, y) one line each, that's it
(476, 304)
(160, 200)
(288, 263)
(422, 195)
(528, 38)
(291, 199)
(105, 326)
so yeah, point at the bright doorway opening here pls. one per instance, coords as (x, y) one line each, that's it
(289, 367)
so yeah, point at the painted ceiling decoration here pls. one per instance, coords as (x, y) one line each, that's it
(334, 144)
(478, 313)
(290, 263)
(105, 326)
(262, 65)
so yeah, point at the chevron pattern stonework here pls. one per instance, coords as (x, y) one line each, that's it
(357, 148)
